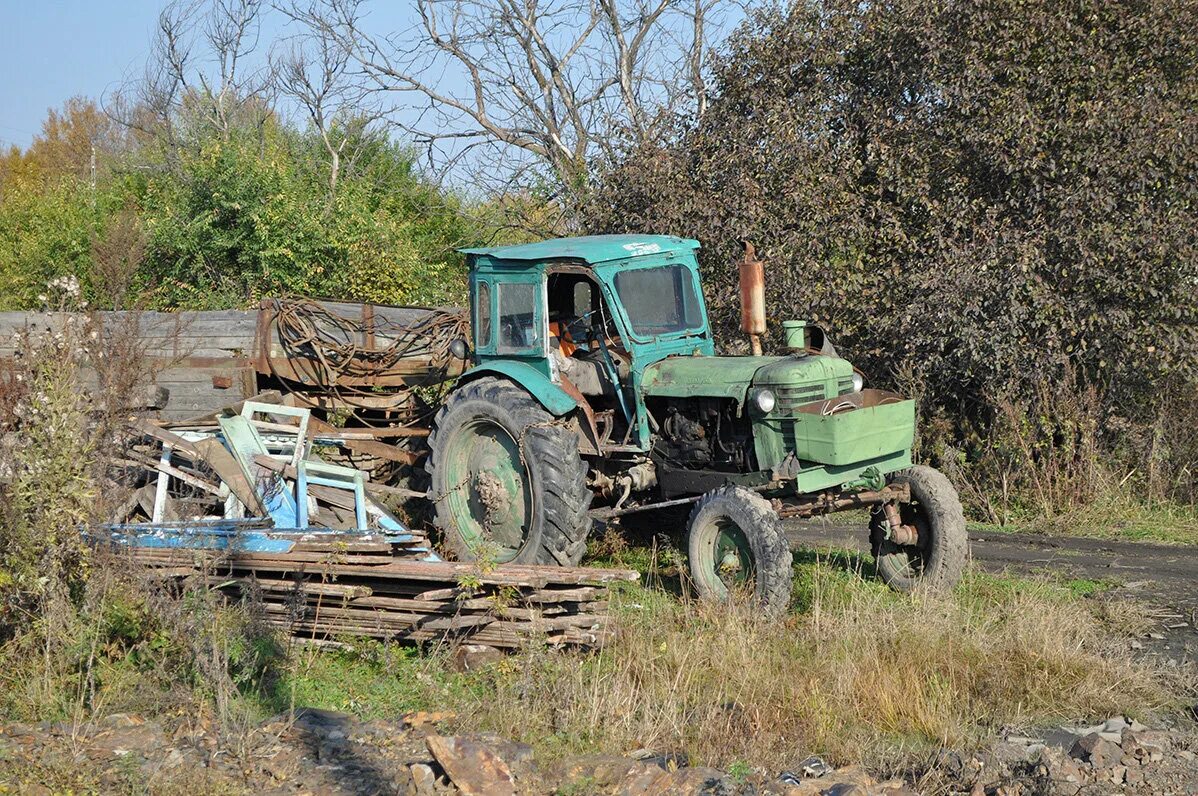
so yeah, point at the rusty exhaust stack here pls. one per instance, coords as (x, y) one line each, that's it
(752, 297)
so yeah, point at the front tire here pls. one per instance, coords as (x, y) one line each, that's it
(506, 478)
(735, 541)
(937, 560)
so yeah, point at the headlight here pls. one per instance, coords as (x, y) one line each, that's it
(764, 400)
(858, 382)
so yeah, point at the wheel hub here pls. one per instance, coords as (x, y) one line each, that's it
(733, 558)
(491, 501)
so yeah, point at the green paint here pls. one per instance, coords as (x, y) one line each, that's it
(718, 377)
(677, 360)
(591, 249)
(556, 400)
(491, 499)
(733, 556)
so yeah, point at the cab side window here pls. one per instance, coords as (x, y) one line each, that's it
(518, 328)
(482, 320)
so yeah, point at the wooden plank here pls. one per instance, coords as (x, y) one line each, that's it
(225, 465)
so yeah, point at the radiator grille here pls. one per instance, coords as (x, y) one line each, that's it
(790, 398)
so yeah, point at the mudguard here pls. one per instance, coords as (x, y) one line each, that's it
(551, 396)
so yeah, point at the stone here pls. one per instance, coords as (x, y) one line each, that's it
(472, 657)
(848, 781)
(426, 718)
(683, 782)
(1096, 750)
(424, 779)
(1118, 775)
(1061, 770)
(600, 771)
(471, 766)
(642, 779)
(808, 788)
(143, 738)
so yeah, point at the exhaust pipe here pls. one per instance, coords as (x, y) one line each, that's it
(752, 297)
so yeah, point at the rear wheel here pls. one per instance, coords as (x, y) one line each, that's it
(506, 478)
(935, 562)
(735, 544)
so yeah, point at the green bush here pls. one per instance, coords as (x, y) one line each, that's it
(231, 218)
(985, 197)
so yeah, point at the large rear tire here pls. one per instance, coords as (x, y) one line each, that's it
(507, 480)
(735, 543)
(937, 560)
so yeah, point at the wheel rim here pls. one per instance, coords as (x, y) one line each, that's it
(726, 560)
(910, 561)
(487, 490)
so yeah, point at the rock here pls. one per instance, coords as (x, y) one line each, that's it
(1138, 751)
(1187, 755)
(1096, 750)
(1118, 775)
(424, 718)
(511, 752)
(683, 782)
(643, 779)
(894, 789)
(600, 771)
(472, 657)
(144, 738)
(424, 779)
(471, 766)
(1061, 771)
(849, 781)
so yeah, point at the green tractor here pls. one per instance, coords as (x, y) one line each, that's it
(595, 393)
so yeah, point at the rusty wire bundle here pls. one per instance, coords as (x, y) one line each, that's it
(331, 355)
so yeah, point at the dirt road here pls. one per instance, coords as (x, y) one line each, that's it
(1164, 577)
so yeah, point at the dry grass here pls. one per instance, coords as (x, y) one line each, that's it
(860, 675)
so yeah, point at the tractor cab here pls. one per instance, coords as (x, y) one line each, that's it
(588, 315)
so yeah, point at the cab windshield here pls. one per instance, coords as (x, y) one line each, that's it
(660, 300)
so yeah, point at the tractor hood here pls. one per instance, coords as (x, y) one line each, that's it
(731, 377)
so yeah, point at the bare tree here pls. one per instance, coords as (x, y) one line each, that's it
(526, 87)
(202, 68)
(313, 73)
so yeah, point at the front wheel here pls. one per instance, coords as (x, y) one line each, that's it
(937, 559)
(735, 543)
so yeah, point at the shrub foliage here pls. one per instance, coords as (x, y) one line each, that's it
(981, 196)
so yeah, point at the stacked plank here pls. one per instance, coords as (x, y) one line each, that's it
(326, 590)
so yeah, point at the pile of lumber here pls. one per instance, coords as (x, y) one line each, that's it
(330, 589)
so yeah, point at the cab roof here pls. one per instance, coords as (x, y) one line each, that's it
(590, 249)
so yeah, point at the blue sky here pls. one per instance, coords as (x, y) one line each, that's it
(51, 50)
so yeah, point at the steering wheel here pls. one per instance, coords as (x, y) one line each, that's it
(569, 327)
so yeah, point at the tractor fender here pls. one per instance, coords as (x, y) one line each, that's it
(549, 395)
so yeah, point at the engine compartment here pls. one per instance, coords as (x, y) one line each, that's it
(702, 434)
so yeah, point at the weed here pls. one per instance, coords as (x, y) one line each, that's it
(862, 674)
(739, 770)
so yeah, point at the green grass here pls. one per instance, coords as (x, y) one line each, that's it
(856, 672)
(367, 679)
(1114, 518)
